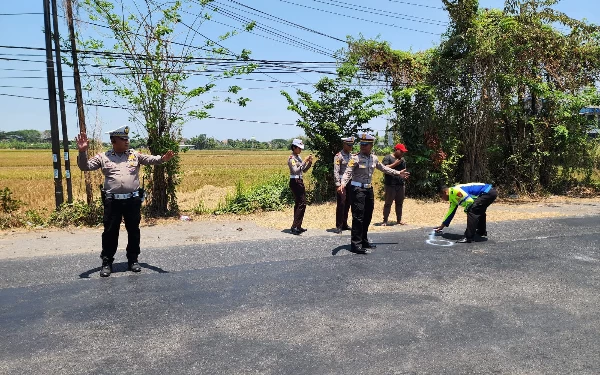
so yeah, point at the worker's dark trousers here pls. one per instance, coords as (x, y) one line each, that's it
(344, 201)
(363, 203)
(297, 186)
(476, 217)
(115, 210)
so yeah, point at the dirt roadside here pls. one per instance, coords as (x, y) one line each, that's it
(319, 220)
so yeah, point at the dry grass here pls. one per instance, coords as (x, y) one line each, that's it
(208, 176)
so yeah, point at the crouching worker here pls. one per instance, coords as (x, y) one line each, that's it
(475, 198)
(121, 168)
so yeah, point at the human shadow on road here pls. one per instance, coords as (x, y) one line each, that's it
(455, 237)
(121, 267)
(340, 248)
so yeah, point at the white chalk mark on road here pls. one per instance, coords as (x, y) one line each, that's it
(437, 242)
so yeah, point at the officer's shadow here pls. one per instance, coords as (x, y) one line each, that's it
(456, 237)
(121, 267)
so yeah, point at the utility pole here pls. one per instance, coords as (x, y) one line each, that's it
(78, 96)
(61, 99)
(58, 188)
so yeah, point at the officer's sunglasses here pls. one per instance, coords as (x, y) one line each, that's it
(124, 139)
(365, 143)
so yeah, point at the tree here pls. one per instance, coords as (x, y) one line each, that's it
(497, 99)
(151, 71)
(339, 110)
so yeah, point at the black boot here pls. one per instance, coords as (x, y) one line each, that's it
(106, 269)
(134, 266)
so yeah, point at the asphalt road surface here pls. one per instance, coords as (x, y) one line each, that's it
(526, 301)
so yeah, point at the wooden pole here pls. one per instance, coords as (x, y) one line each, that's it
(58, 188)
(61, 100)
(78, 96)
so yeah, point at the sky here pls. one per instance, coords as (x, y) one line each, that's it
(407, 25)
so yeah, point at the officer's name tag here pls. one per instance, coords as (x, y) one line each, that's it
(362, 166)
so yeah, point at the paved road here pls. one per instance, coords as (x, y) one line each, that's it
(524, 302)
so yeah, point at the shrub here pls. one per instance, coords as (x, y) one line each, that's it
(274, 195)
(7, 202)
(77, 213)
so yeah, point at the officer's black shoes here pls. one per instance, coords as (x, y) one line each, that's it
(302, 230)
(482, 234)
(337, 230)
(358, 249)
(134, 267)
(464, 240)
(295, 231)
(106, 269)
(346, 227)
(369, 245)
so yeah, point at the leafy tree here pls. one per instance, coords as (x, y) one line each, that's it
(338, 110)
(498, 99)
(151, 71)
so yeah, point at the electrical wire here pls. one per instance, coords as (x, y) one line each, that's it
(133, 109)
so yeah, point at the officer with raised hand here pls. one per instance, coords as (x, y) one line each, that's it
(475, 198)
(344, 199)
(360, 175)
(123, 201)
(297, 167)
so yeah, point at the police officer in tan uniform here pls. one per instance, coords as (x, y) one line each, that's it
(344, 199)
(360, 175)
(297, 167)
(121, 167)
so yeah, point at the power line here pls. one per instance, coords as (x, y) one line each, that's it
(21, 14)
(198, 59)
(381, 12)
(133, 109)
(290, 23)
(298, 42)
(418, 5)
(361, 19)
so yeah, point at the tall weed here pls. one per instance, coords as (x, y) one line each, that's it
(274, 195)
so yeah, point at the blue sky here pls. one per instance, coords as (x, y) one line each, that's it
(409, 25)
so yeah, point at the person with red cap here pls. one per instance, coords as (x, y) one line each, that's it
(394, 186)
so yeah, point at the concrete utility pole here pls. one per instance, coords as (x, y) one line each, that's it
(58, 188)
(61, 99)
(78, 96)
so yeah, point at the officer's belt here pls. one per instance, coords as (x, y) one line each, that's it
(123, 196)
(358, 184)
(299, 176)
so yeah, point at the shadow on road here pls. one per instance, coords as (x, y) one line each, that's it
(121, 267)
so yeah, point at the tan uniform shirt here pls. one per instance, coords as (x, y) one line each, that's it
(361, 167)
(340, 162)
(121, 172)
(297, 166)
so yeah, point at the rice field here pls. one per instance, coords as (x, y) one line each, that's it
(207, 175)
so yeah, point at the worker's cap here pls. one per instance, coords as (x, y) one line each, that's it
(298, 143)
(366, 139)
(400, 147)
(123, 132)
(348, 140)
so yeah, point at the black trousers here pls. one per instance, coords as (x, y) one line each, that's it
(116, 210)
(363, 202)
(393, 193)
(476, 216)
(297, 186)
(343, 206)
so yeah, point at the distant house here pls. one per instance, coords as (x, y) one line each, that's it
(593, 114)
(189, 147)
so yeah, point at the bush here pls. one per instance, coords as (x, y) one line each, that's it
(274, 195)
(7, 202)
(77, 213)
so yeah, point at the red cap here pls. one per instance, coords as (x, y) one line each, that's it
(400, 147)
